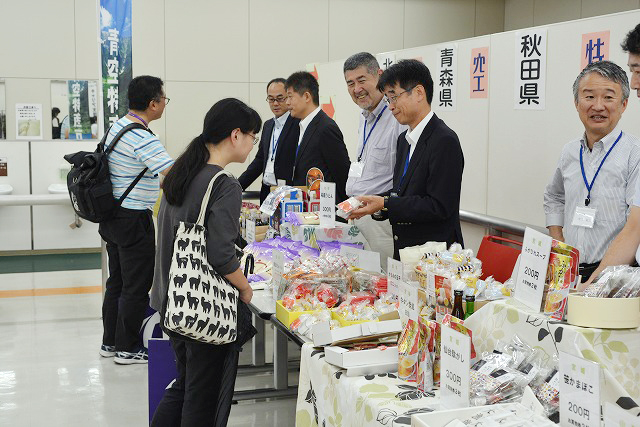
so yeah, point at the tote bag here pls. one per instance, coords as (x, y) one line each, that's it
(201, 304)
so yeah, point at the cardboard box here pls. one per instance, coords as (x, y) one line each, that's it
(344, 358)
(364, 331)
(287, 317)
(380, 368)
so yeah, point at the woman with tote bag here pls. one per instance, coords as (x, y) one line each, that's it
(200, 197)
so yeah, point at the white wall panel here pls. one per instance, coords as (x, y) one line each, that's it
(15, 221)
(87, 42)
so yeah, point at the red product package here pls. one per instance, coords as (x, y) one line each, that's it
(328, 295)
(458, 325)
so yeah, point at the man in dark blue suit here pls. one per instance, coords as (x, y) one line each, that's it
(424, 202)
(278, 142)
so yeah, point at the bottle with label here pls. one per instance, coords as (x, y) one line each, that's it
(457, 305)
(471, 302)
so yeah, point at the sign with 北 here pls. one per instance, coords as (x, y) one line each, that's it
(455, 356)
(532, 270)
(579, 391)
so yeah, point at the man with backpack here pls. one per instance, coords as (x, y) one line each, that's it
(129, 232)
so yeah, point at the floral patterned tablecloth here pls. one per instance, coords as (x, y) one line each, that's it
(310, 235)
(327, 397)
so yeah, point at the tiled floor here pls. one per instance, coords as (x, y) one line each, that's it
(51, 373)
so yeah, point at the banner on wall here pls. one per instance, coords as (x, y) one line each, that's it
(446, 80)
(115, 35)
(79, 123)
(595, 48)
(530, 69)
(479, 75)
(29, 121)
(386, 60)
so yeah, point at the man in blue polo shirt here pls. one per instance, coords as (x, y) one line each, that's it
(130, 234)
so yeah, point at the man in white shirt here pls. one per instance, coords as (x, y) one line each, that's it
(378, 131)
(320, 144)
(588, 199)
(625, 249)
(278, 143)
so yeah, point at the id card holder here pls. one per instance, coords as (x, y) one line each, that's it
(584, 217)
(355, 170)
(269, 178)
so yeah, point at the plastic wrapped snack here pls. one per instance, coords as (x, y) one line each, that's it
(408, 346)
(345, 208)
(328, 294)
(547, 390)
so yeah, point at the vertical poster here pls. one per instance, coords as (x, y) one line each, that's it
(4, 170)
(386, 60)
(115, 35)
(29, 121)
(446, 79)
(594, 48)
(79, 124)
(479, 86)
(530, 69)
(3, 113)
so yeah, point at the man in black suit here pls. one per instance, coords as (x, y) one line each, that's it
(320, 144)
(424, 202)
(278, 143)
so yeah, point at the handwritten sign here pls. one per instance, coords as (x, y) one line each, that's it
(277, 271)
(408, 301)
(327, 204)
(395, 275)
(532, 271)
(455, 354)
(579, 391)
(251, 231)
(366, 260)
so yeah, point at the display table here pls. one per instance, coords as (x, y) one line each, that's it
(326, 395)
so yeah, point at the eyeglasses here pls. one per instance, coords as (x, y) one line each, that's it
(166, 100)
(256, 138)
(394, 98)
(279, 99)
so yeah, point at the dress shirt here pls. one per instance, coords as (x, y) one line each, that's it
(379, 156)
(304, 123)
(278, 124)
(412, 136)
(612, 193)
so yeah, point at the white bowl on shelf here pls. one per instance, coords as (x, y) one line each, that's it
(58, 189)
(5, 189)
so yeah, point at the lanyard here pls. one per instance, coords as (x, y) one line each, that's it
(584, 176)
(365, 137)
(139, 118)
(406, 166)
(274, 147)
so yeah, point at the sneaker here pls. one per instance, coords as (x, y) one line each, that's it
(129, 357)
(107, 350)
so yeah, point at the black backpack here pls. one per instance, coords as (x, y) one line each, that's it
(89, 182)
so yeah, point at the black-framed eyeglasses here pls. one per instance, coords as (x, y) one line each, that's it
(279, 99)
(394, 98)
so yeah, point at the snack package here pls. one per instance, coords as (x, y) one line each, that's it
(408, 345)
(547, 390)
(345, 208)
(426, 352)
(302, 218)
(558, 280)
(458, 325)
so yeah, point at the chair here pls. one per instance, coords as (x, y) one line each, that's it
(498, 259)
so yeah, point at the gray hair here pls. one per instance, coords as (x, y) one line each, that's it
(607, 69)
(362, 59)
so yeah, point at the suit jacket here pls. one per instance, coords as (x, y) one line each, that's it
(285, 154)
(323, 147)
(427, 205)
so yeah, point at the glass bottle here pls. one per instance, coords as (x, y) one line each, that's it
(471, 302)
(457, 305)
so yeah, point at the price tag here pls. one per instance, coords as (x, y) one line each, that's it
(455, 354)
(615, 416)
(277, 270)
(408, 299)
(579, 391)
(327, 204)
(394, 275)
(366, 260)
(251, 231)
(431, 287)
(532, 271)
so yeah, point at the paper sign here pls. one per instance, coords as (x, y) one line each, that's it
(530, 69)
(28, 121)
(395, 275)
(408, 299)
(4, 170)
(386, 60)
(530, 401)
(615, 416)
(366, 260)
(277, 270)
(327, 204)
(595, 48)
(455, 354)
(447, 79)
(532, 271)
(479, 75)
(251, 231)
(579, 391)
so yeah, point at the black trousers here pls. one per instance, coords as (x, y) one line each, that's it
(131, 245)
(202, 394)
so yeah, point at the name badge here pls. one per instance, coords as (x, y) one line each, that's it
(355, 171)
(584, 217)
(269, 178)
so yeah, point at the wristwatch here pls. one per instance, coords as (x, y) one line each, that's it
(384, 205)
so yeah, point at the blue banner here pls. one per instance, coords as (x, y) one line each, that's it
(115, 35)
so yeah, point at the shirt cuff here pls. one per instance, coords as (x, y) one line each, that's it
(555, 219)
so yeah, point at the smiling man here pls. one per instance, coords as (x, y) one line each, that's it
(424, 202)
(591, 192)
(378, 131)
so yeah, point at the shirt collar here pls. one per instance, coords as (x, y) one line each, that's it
(413, 135)
(305, 122)
(280, 121)
(376, 111)
(606, 142)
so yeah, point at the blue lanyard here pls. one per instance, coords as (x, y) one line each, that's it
(584, 176)
(365, 137)
(406, 167)
(274, 147)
